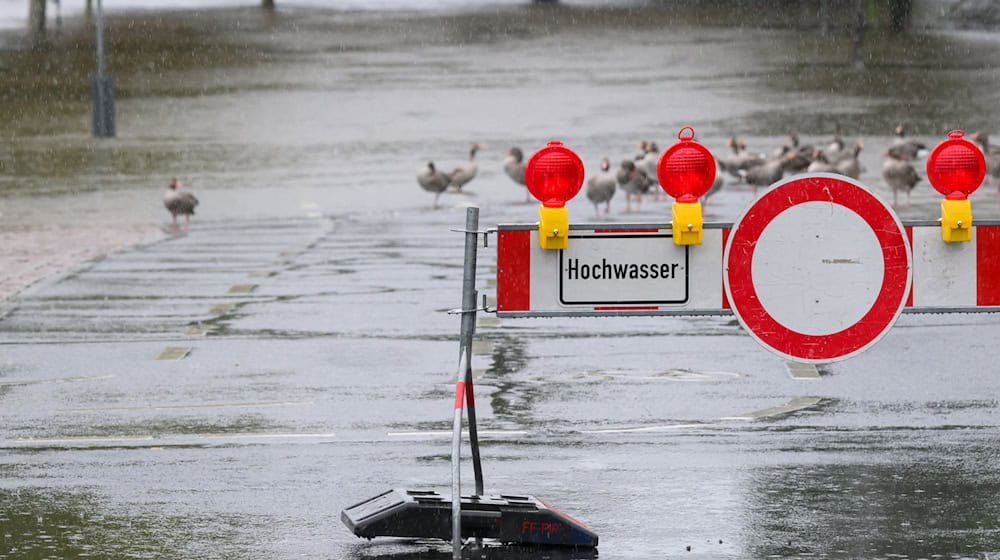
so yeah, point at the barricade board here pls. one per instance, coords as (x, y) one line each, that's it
(531, 282)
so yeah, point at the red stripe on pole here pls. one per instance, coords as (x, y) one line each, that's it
(909, 237)
(470, 397)
(514, 270)
(987, 265)
(725, 239)
(459, 393)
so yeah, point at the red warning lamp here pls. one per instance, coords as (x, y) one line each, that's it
(554, 175)
(955, 169)
(686, 171)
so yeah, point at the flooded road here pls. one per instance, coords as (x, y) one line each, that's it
(225, 394)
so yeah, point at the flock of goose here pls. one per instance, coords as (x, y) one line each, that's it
(636, 176)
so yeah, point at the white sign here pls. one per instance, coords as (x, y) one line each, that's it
(623, 269)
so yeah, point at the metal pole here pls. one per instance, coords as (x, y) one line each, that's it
(464, 388)
(102, 87)
(100, 40)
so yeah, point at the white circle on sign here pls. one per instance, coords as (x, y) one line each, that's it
(824, 279)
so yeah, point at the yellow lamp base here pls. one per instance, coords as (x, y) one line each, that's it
(687, 223)
(956, 220)
(553, 227)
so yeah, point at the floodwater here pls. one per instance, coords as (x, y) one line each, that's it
(306, 356)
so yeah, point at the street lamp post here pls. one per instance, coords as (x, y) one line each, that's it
(102, 88)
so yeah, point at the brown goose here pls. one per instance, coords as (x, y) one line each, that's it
(716, 185)
(178, 202)
(634, 182)
(899, 173)
(769, 172)
(601, 187)
(991, 153)
(431, 179)
(851, 166)
(467, 171)
(741, 159)
(820, 164)
(906, 147)
(513, 166)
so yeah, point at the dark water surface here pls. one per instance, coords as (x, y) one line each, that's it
(301, 131)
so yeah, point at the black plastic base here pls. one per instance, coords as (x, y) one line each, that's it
(522, 520)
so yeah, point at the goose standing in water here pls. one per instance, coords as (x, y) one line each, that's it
(647, 159)
(178, 202)
(513, 166)
(467, 171)
(431, 179)
(906, 147)
(771, 171)
(601, 187)
(820, 164)
(716, 185)
(992, 155)
(899, 173)
(634, 182)
(851, 165)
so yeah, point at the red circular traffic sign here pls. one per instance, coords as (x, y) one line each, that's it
(818, 268)
(554, 174)
(686, 170)
(956, 167)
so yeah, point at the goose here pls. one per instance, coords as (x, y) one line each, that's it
(467, 171)
(513, 166)
(178, 202)
(769, 172)
(716, 185)
(647, 160)
(742, 159)
(899, 173)
(908, 148)
(801, 154)
(431, 179)
(835, 150)
(634, 182)
(820, 164)
(731, 163)
(601, 187)
(851, 166)
(991, 153)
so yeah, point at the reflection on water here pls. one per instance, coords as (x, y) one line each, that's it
(913, 508)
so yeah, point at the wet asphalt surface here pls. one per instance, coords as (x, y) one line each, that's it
(226, 393)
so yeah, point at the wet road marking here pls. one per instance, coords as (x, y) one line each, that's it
(242, 288)
(267, 436)
(802, 371)
(465, 433)
(189, 406)
(664, 428)
(200, 330)
(222, 308)
(793, 405)
(101, 439)
(174, 439)
(72, 379)
(482, 347)
(312, 210)
(488, 322)
(174, 353)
